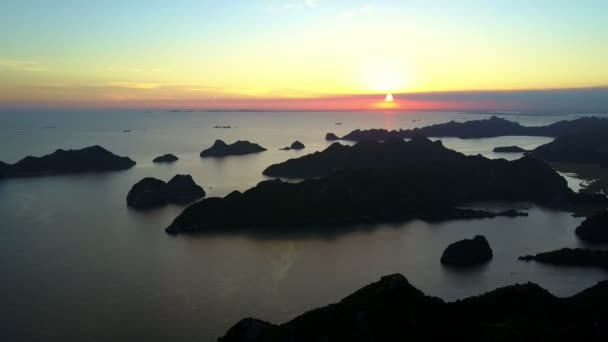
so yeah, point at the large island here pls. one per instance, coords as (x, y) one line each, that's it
(89, 159)
(487, 128)
(379, 181)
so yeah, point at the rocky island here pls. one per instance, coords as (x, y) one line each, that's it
(296, 145)
(151, 192)
(571, 257)
(221, 149)
(509, 149)
(331, 137)
(594, 228)
(374, 181)
(394, 310)
(486, 128)
(467, 252)
(89, 159)
(166, 158)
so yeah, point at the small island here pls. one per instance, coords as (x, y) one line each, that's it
(467, 252)
(151, 192)
(509, 149)
(221, 149)
(296, 145)
(331, 137)
(594, 228)
(166, 158)
(392, 309)
(571, 257)
(89, 159)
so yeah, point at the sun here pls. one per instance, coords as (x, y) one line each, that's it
(388, 103)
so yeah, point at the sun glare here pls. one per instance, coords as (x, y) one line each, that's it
(388, 98)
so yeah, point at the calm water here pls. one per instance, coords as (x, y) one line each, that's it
(77, 264)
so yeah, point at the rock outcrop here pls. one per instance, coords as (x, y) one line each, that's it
(221, 149)
(296, 145)
(594, 228)
(331, 137)
(571, 257)
(509, 149)
(166, 158)
(467, 252)
(151, 192)
(394, 310)
(88, 159)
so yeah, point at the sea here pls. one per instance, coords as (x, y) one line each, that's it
(78, 265)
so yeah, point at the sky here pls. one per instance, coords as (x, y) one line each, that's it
(304, 54)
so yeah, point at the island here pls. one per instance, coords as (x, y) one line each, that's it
(89, 159)
(486, 128)
(584, 146)
(221, 149)
(594, 228)
(382, 181)
(331, 137)
(151, 192)
(296, 145)
(392, 309)
(571, 257)
(166, 158)
(467, 252)
(509, 149)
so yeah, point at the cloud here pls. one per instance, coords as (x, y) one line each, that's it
(135, 85)
(302, 4)
(352, 13)
(21, 65)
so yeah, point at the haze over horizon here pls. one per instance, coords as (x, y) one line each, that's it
(305, 55)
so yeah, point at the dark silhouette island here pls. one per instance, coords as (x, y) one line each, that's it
(486, 128)
(221, 149)
(583, 146)
(296, 145)
(394, 310)
(166, 158)
(467, 252)
(89, 159)
(374, 181)
(331, 137)
(594, 228)
(509, 149)
(151, 192)
(571, 257)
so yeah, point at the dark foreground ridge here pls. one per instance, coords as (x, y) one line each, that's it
(151, 192)
(394, 310)
(391, 181)
(239, 148)
(467, 252)
(89, 159)
(594, 228)
(487, 128)
(571, 257)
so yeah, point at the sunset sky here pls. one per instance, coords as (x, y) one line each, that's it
(301, 54)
